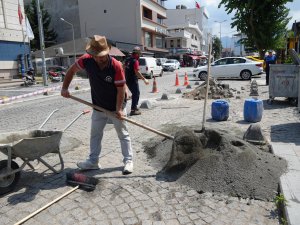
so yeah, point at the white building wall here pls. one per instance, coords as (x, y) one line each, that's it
(118, 20)
(10, 28)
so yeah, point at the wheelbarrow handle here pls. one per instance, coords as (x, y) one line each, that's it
(112, 115)
(47, 119)
(82, 113)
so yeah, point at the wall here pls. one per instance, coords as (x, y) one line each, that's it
(121, 22)
(11, 38)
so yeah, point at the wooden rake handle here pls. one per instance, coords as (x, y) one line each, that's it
(112, 115)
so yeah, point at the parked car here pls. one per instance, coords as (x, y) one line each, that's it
(257, 59)
(230, 67)
(171, 65)
(149, 67)
(161, 61)
(56, 73)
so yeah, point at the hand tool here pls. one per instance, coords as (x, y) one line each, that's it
(113, 115)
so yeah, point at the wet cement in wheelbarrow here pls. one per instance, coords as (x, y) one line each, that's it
(218, 162)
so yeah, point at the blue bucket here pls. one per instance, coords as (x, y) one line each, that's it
(220, 110)
(253, 110)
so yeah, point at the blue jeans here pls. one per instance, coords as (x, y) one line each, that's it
(135, 91)
(99, 120)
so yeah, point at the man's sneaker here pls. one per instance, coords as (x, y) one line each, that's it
(135, 112)
(128, 168)
(88, 165)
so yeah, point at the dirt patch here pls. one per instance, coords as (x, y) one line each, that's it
(215, 161)
(216, 91)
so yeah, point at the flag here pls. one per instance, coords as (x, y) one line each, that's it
(20, 13)
(197, 5)
(29, 31)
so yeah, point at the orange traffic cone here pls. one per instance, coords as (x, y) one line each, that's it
(186, 80)
(177, 80)
(154, 89)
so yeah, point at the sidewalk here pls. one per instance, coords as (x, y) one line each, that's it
(33, 90)
(288, 149)
(290, 182)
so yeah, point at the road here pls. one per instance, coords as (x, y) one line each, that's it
(136, 199)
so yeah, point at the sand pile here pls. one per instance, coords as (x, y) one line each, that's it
(216, 91)
(215, 161)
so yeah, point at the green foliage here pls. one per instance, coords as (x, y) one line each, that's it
(263, 22)
(280, 200)
(49, 34)
(216, 47)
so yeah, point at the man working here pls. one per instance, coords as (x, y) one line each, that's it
(269, 59)
(132, 75)
(108, 86)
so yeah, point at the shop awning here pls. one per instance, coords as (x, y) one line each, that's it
(115, 52)
(197, 56)
(194, 57)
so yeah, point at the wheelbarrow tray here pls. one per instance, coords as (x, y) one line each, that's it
(30, 145)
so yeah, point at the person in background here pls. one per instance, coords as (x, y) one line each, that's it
(132, 72)
(108, 87)
(269, 59)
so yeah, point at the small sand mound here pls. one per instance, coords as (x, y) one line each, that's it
(216, 91)
(215, 161)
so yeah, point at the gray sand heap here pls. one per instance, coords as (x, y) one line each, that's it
(215, 161)
(216, 91)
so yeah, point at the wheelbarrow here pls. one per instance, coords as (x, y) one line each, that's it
(28, 145)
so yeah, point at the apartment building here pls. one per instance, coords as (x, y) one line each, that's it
(127, 23)
(187, 33)
(13, 44)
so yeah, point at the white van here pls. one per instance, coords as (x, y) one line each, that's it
(149, 67)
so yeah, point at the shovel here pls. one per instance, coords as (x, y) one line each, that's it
(113, 115)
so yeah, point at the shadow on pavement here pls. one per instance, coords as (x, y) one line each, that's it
(286, 133)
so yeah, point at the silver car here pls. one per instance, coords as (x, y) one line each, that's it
(230, 67)
(171, 65)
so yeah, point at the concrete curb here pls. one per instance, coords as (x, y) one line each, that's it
(10, 99)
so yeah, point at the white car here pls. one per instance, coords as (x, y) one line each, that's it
(230, 67)
(149, 67)
(171, 65)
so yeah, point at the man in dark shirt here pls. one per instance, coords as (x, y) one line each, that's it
(269, 59)
(132, 69)
(108, 86)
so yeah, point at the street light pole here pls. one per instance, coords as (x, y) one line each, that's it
(220, 22)
(42, 45)
(73, 34)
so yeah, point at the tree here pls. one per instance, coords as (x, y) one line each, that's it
(263, 22)
(216, 47)
(49, 34)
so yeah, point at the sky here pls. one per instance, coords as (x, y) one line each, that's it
(219, 14)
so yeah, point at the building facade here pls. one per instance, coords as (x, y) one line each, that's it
(127, 23)
(14, 47)
(187, 30)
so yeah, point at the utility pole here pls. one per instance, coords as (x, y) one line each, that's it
(73, 35)
(220, 22)
(42, 45)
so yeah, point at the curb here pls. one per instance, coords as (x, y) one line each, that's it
(10, 99)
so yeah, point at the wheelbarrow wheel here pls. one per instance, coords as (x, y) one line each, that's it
(8, 182)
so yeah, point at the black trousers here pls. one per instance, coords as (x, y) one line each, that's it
(135, 91)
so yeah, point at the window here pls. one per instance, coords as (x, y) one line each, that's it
(171, 43)
(148, 39)
(147, 13)
(221, 62)
(178, 43)
(142, 62)
(159, 42)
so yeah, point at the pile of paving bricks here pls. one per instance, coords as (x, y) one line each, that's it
(216, 91)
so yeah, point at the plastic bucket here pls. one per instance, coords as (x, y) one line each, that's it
(220, 110)
(253, 110)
